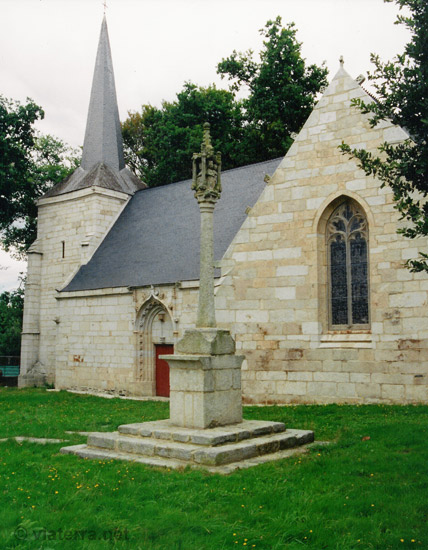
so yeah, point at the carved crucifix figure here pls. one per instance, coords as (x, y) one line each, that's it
(207, 187)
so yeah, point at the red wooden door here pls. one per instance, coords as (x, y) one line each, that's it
(162, 369)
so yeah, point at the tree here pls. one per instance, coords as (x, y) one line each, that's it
(11, 310)
(159, 143)
(282, 89)
(402, 91)
(29, 165)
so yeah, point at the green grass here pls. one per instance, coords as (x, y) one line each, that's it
(356, 493)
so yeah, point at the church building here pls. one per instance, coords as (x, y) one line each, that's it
(310, 275)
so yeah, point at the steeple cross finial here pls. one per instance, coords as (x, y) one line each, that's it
(105, 6)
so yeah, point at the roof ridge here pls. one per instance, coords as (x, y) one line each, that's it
(223, 172)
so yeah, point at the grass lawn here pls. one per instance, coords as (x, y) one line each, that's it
(367, 489)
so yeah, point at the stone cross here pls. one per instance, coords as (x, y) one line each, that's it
(205, 373)
(207, 186)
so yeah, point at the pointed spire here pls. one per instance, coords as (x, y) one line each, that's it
(103, 137)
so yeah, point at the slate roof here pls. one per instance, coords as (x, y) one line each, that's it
(100, 175)
(156, 238)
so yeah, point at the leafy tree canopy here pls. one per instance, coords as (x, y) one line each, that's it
(282, 88)
(30, 164)
(159, 143)
(11, 308)
(402, 89)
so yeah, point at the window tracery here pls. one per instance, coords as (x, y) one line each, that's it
(347, 246)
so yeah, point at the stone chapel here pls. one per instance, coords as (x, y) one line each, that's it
(310, 275)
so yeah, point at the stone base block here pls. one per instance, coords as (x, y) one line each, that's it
(205, 390)
(32, 380)
(220, 450)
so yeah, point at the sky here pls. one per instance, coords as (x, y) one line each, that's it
(48, 48)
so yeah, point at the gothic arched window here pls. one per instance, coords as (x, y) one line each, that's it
(347, 249)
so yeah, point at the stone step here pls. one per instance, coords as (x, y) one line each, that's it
(221, 449)
(163, 429)
(83, 451)
(189, 452)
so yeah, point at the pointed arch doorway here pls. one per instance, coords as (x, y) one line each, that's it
(155, 338)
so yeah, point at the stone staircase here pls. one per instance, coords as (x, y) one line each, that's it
(222, 450)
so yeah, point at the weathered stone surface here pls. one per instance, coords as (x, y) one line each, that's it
(223, 455)
(98, 454)
(220, 439)
(144, 447)
(205, 389)
(206, 341)
(132, 429)
(32, 380)
(165, 429)
(105, 440)
(176, 450)
(302, 436)
(266, 447)
(217, 452)
(39, 440)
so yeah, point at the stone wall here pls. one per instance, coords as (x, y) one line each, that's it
(70, 227)
(274, 296)
(106, 338)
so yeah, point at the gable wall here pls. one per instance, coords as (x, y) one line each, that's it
(275, 296)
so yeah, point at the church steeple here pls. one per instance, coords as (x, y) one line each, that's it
(103, 163)
(103, 137)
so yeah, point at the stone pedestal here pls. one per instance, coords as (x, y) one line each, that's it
(205, 380)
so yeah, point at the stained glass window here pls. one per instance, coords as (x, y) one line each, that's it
(347, 237)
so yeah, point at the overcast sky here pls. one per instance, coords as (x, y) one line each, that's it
(48, 48)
